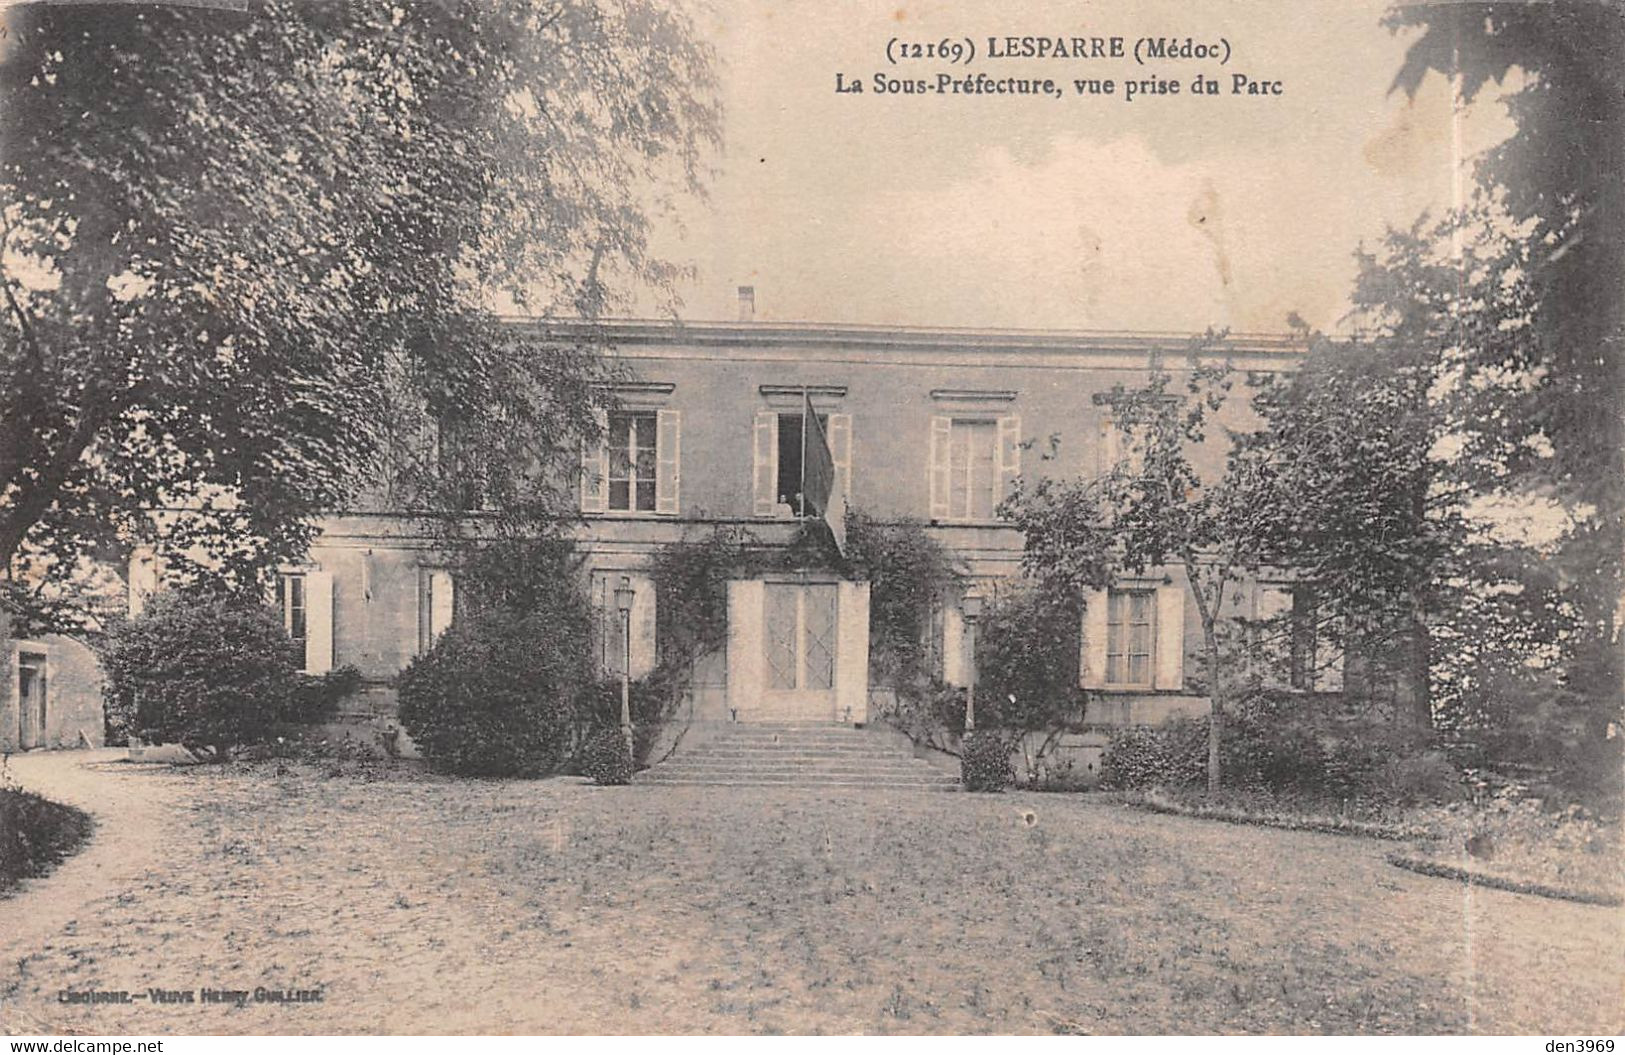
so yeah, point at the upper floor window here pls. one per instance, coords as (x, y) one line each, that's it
(635, 466)
(780, 446)
(973, 475)
(974, 462)
(796, 437)
(632, 465)
(1130, 637)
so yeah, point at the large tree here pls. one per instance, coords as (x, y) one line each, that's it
(250, 259)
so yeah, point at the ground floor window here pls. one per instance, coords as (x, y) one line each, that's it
(1130, 637)
(292, 602)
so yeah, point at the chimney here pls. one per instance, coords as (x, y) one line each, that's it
(747, 303)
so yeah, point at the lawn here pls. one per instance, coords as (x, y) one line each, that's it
(419, 904)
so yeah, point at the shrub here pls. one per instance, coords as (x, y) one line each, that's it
(316, 697)
(1264, 746)
(208, 672)
(1027, 661)
(605, 758)
(35, 834)
(653, 698)
(984, 762)
(1420, 779)
(495, 695)
(1169, 755)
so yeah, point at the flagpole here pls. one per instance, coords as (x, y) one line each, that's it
(806, 409)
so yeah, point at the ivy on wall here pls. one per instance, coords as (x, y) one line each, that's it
(908, 572)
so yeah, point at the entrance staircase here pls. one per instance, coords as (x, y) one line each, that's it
(798, 755)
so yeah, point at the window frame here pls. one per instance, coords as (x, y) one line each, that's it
(991, 425)
(287, 606)
(1121, 632)
(633, 482)
(823, 417)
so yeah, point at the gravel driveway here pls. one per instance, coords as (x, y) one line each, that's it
(381, 900)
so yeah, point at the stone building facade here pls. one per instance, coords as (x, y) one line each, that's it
(930, 424)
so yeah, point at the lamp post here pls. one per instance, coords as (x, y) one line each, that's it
(624, 595)
(970, 606)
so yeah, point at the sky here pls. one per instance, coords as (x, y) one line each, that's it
(1164, 213)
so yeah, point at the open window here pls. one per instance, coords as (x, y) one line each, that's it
(779, 462)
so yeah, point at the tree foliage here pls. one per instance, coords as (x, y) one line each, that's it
(250, 259)
(1156, 509)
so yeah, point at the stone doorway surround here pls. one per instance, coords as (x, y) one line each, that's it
(768, 673)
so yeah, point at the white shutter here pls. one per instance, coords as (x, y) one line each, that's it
(1111, 449)
(953, 645)
(643, 625)
(442, 604)
(840, 452)
(1092, 647)
(668, 461)
(765, 467)
(937, 465)
(745, 659)
(143, 578)
(595, 468)
(318, 622)
(1009, 456)
(1170, 657)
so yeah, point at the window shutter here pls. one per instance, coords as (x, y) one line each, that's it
(937, 466)
(765, 453)
(953, 644)
(1009, 456)
(1111, 448)
(143, 578)
(1273, 601)
(1092, 647)
(1170, 657)
(595, 468)
(318, 622)
(643, 625)
(606, 623)
(442, 603)
(840, 451)
(668, 461)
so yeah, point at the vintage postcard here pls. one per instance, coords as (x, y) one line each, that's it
(739, 517)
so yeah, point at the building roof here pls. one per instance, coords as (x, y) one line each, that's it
(1262, 350)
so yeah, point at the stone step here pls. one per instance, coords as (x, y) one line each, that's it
(819, 755)
(792, 771)
(842, 750)
(797, 782)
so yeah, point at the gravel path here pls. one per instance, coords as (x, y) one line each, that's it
(414, 904)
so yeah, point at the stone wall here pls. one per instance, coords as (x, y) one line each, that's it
(73, 694)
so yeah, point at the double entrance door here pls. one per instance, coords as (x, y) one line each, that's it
(799, 636)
